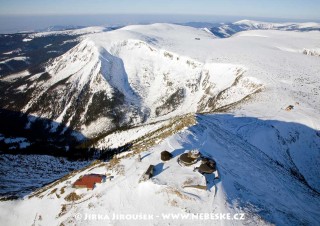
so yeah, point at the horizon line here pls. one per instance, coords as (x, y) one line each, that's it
(152, 14)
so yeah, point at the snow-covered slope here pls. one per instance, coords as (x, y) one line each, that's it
(32, 172)
(267, 156)
(227, 30)
(111, 79)
(81, 31)
(122, 70)
(258, 178)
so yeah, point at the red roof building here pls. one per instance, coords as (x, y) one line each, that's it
(89, 181)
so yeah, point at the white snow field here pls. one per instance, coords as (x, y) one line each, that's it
(267, 157)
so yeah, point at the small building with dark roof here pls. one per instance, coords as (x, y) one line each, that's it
(207, 166)
(148, 174)
(166, 156)
(289, 108)
(189, 158)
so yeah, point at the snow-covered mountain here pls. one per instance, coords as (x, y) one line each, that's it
(60, 28)
(229, 29)
(121, 72)
(258, 178)
(258, 25)
(251, 102)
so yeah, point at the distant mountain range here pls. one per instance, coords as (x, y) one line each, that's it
(225, 30)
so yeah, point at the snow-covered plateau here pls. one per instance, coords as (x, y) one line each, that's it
(250, 102)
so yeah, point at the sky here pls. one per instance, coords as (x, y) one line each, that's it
(293, 9)
(34, 15)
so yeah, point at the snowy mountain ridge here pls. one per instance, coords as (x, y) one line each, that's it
(127, 72)
(253, 104)
(269, 25)
(229, 29)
